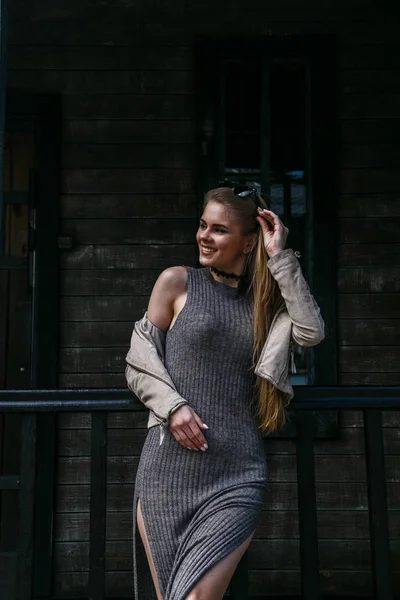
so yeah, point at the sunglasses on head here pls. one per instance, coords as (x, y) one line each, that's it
(242, 190)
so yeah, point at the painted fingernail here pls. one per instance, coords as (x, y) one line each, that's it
(204, 448)
(259, 209)
(204, 425)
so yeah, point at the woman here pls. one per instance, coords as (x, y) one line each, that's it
(202, 472)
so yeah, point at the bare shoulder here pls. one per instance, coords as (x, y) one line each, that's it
(170, 285)
(172, 281)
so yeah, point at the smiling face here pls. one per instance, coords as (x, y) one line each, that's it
(222, 243)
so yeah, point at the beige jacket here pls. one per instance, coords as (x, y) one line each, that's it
(300, 322)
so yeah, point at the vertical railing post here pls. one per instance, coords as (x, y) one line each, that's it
(377, 505)
(26, 508)
(44, 505)
(307, 502)
(239, 587)
(98, 490)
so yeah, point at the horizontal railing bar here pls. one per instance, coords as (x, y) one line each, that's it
(9, 482)
(70, 405)
(306, 397)
(136, 406)
(301, 392)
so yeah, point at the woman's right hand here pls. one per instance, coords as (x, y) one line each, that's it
(186, 427)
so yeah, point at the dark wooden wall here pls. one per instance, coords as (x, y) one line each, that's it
(124, 70)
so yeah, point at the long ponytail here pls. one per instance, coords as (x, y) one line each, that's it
(267, 300)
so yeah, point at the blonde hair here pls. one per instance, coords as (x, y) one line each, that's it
(266, 297)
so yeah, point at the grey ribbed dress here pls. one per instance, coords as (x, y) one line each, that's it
(199, 506)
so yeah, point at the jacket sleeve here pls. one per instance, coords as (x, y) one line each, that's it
(308, 328)
(146, 375)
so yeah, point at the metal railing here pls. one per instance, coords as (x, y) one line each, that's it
(370, 400)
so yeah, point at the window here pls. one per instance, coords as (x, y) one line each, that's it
(266, 117)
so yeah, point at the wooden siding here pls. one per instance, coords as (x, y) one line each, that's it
(124, 70)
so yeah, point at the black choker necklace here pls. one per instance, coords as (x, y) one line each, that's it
(227, 275)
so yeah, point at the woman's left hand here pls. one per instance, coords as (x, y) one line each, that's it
(273, 230)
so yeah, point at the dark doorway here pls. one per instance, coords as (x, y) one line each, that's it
(28, 292)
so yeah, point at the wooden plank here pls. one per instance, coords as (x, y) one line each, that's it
(369, 205)
(75, 527)
(116, 131)
(284, 582)
(371, 231)
(367, 255)
(128, 442)
(334, 583)
(116, 420)
(263, 554)
(132, 5)
(92, 380)
(375, 105)
(371, 131)
(367, 155)
(369, 181)
(115, 30)
(106, 308)
(112, 360)
(123, 420)
(160, 14)
(127, 181)
(81, 420)
(353, 81)
(273, 524)
(109, 282)
(124, 156)
(128, 106)
(369, 378)
(129, 257)
(383, 332)
(101, 335)
(112, 81)
(131, 231)
(128, 206)
(76, 442)
(281, 468)
(369, 56)
(354, 418)
(359, 359)
(64, 58)
(369, 280)
(91, 32)
(76, 470)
